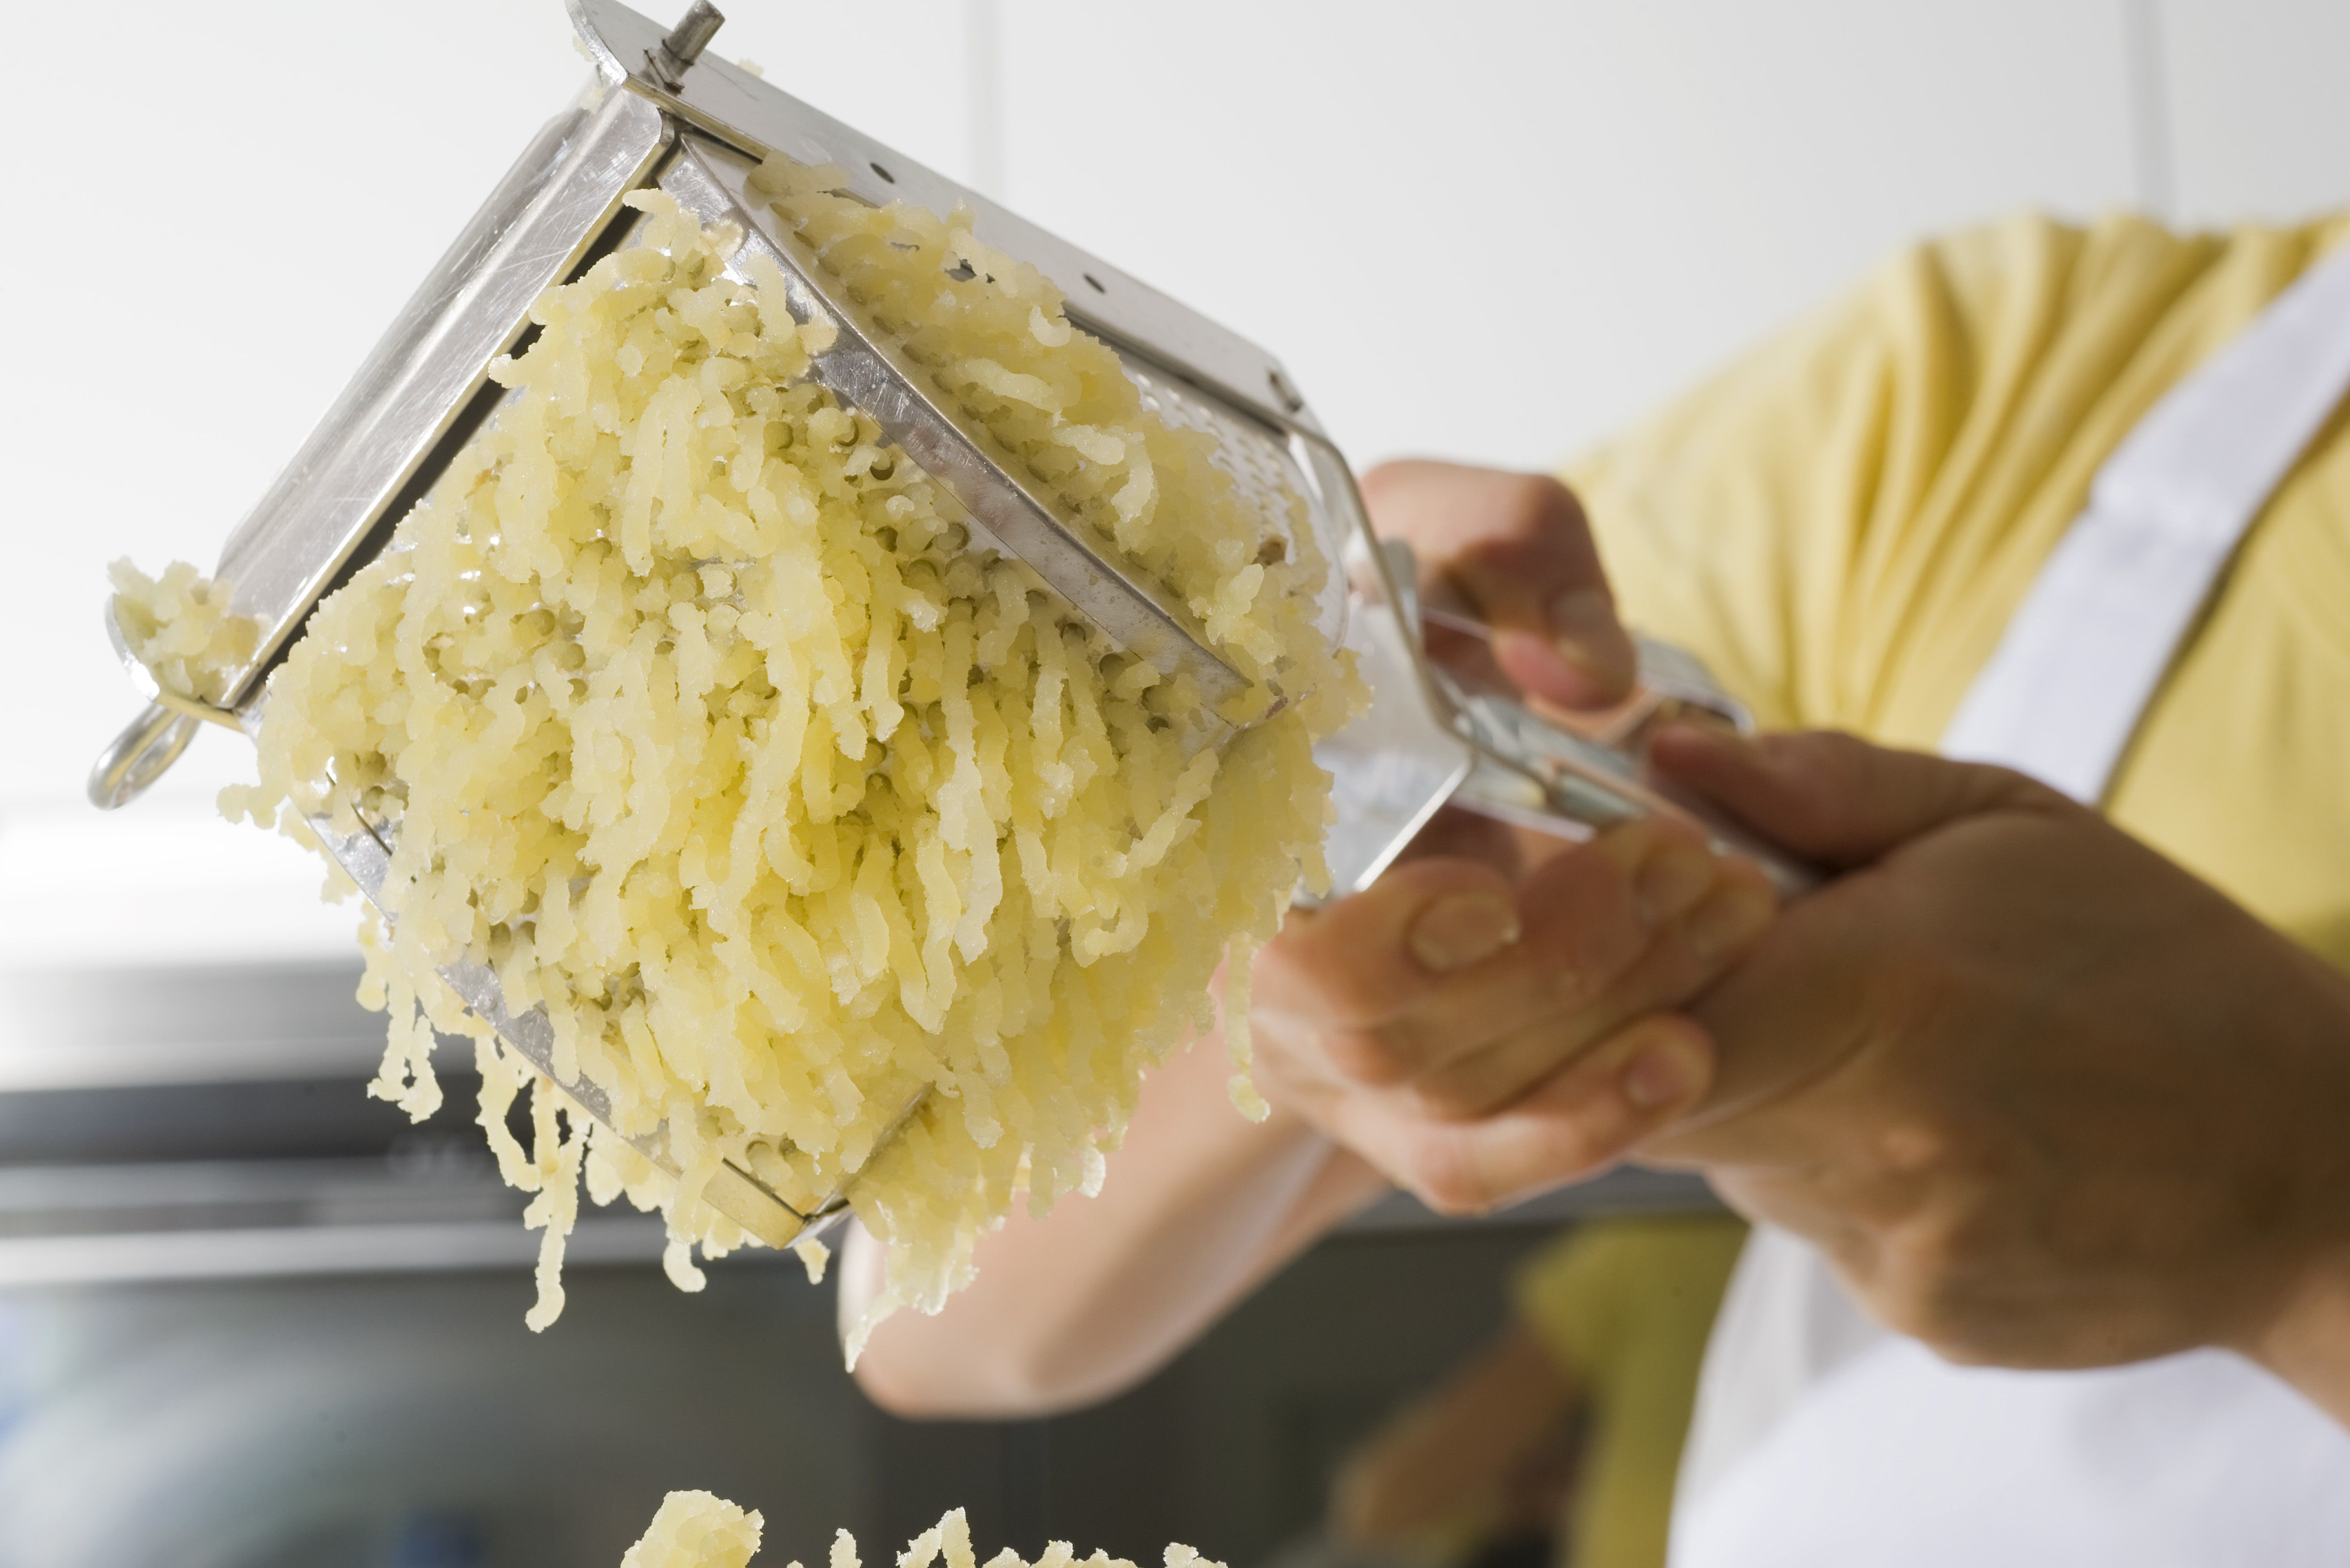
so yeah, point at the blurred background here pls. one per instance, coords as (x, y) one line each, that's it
(249, 1317)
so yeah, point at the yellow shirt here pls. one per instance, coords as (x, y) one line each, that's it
(1623, 1307)
(1841, 523)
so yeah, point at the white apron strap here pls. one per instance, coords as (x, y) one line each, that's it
(2085, 651)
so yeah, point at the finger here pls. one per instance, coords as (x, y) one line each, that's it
(1680, 962)
(1588, 917)
(1792, 1014)
(1834, 797)
(1362, 961)
(1586, 1117)
(1517, 546)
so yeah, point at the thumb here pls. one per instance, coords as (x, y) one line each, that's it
(1833, 797)
(1518, 548)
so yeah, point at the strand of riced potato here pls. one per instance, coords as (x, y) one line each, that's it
(687, 707)
(701, 1530)
(999, 341)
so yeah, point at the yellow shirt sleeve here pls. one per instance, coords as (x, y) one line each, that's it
(1842, 522)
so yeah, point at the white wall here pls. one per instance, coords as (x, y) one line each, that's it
(1492, 228)
(2260, 113)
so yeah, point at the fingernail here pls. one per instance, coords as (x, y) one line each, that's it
(1673, 878)
(1468, 928)
(1727, 921)
(1582, 623)
(1667, 1072)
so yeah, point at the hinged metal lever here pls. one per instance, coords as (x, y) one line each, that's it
(1560, 774)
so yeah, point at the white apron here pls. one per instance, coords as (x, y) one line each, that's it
(1821, 1441)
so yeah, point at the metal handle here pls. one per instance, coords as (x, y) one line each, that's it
(1533, 773)
(153, 742)
(147, 747)
(1456, 741)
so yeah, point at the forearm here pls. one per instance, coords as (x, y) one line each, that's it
(1199, 1205)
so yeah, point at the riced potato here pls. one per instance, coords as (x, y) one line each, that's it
(183, 628)
(696, 1530)
(685, 702)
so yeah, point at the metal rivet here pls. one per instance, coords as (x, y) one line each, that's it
(685, 43)
(1290, 399)
(1096, 283)
(693, 32)
(884, 173)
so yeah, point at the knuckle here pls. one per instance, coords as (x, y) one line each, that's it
(1577, 1149)
(1525, 510)
(1912, 1145)
(1678, 970)
(1443, 1180)
(1446, 1169)
(1528, 498)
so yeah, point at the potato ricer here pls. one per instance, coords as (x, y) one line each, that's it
(665, 111)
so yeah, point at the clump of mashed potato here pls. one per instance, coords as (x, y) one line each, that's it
(681, 702)
(699, 1530)
(696, 1530)
(181, 628)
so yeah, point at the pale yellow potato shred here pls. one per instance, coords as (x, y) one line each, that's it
(701, 1530)
(686, 707)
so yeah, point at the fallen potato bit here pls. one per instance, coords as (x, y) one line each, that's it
(696, 1530)
(684, 705)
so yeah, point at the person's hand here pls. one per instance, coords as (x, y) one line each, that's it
(1478, 1028)
(2043, 1097)
(1479, 1042)
(1515, 551)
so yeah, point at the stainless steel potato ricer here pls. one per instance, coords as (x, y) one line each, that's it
(665, 111)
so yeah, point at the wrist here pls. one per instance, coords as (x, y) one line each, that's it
(2306, 1339)
(2307, 1343)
